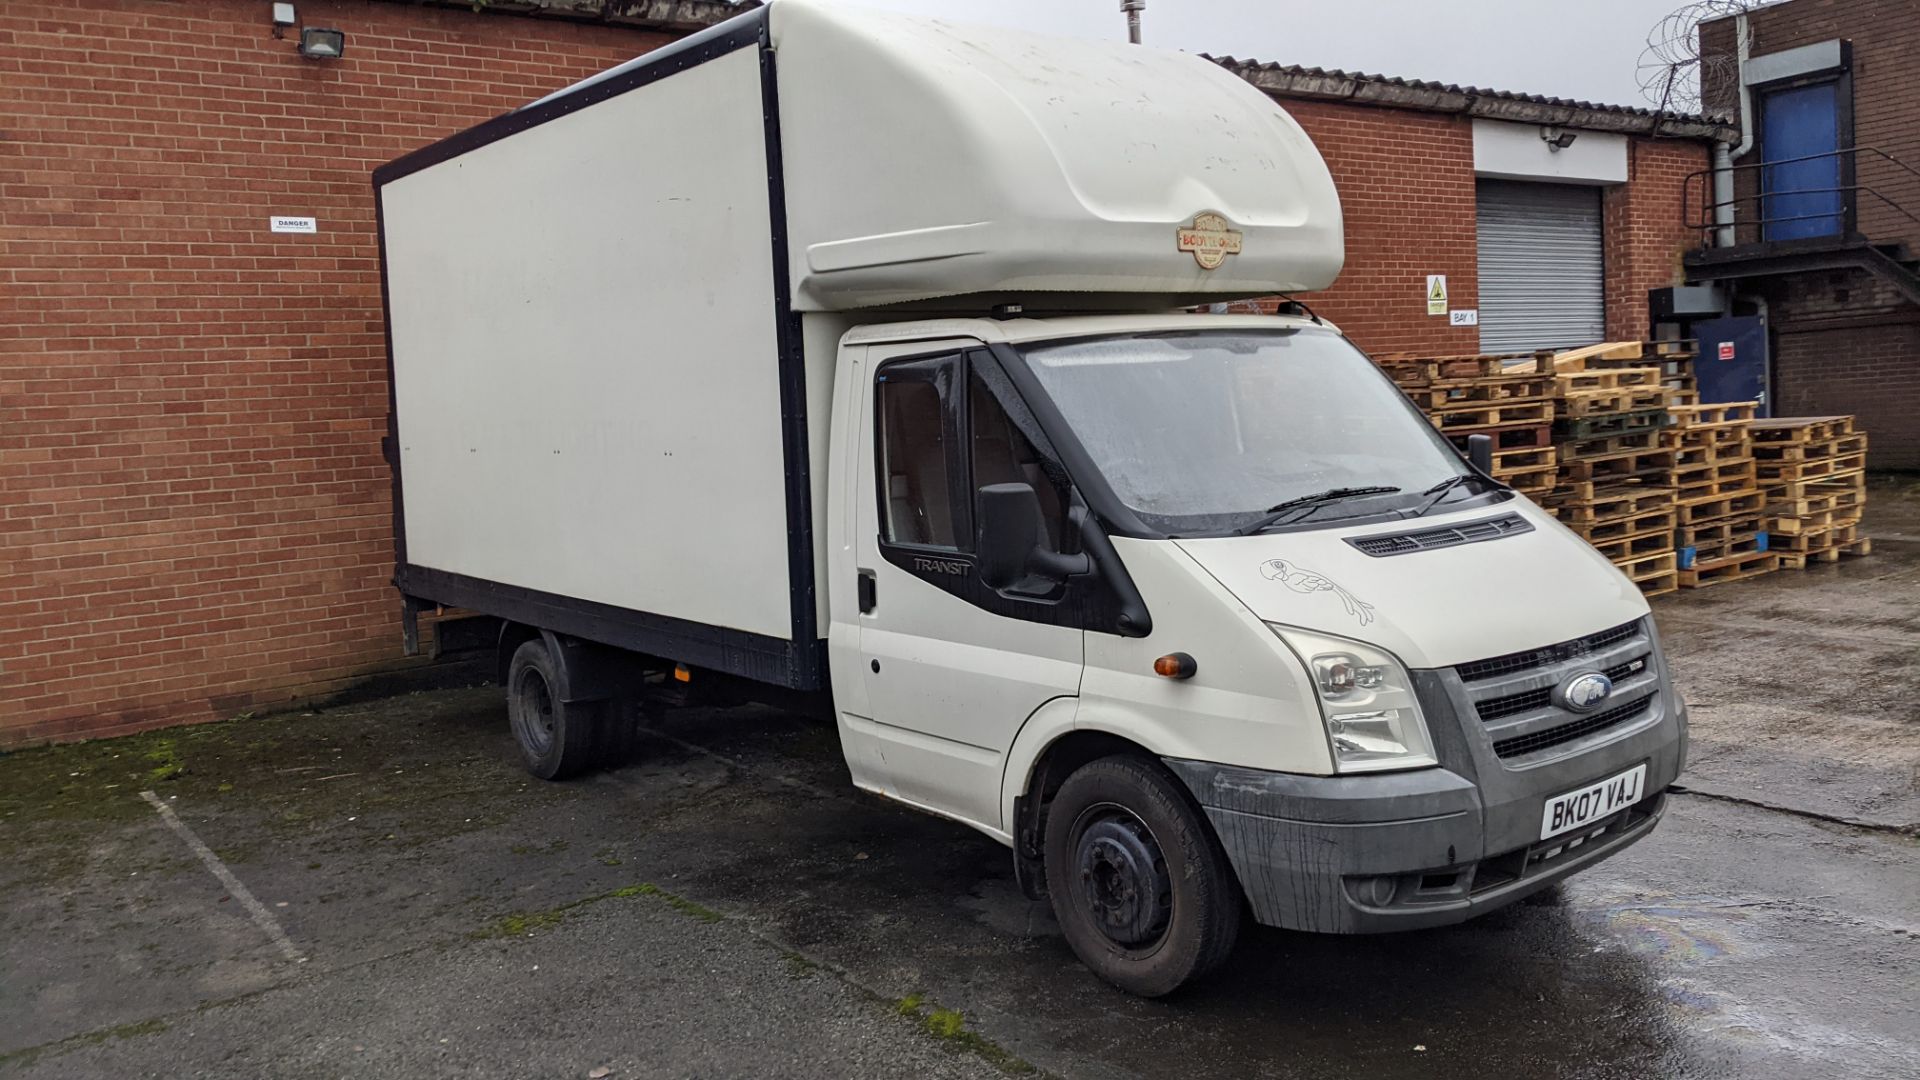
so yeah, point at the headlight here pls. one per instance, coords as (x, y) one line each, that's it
(1366, 699)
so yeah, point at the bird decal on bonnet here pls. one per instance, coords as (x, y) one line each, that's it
(1304, 581)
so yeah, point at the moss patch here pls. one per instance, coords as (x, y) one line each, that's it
(949, 1027)
(523, 923)
(91, 1038)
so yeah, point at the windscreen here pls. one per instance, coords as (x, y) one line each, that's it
(1207, 431)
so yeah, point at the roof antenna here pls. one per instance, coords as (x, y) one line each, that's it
(1133, 8)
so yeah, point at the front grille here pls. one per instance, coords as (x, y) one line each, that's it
(1478, 670)
(1525, 701)
(1529, 700)
(1565, 733)
(1471, 532)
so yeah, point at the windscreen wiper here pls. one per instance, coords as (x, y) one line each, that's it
(1308, 504)
(1439, 491)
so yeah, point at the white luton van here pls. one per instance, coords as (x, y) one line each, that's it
(851, 354)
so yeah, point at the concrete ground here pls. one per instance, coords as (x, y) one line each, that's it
(378, 890)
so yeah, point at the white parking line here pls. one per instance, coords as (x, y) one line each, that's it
(238, 891)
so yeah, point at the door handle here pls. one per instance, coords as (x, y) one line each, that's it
(868, 588)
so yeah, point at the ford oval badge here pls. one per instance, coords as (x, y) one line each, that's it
(1584, 692)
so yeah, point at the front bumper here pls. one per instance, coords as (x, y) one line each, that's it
(1430, 847)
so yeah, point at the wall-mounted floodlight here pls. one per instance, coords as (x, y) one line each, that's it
(1557, 139)
(322, 43)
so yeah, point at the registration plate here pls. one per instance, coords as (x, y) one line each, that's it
(1583, 806)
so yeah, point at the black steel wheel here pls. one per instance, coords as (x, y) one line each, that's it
(556, 738)
(1139, 884)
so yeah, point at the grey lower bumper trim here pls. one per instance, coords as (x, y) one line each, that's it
(1387, 852)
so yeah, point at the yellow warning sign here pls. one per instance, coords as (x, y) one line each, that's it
(1436, 294)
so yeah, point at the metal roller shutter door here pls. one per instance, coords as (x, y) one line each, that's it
(1542, 282)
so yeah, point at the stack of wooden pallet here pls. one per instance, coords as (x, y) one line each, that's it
(1506, 397)
(1719, 529)
(1673, 360)
(1615, 487)
(1812, 470)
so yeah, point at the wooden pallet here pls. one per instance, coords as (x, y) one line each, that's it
(1532, 482)
(1812, 540)
(1714, 477)
(1603, 445)
(1628, 548)
(1505, 438)
(1706, 534)
(1612, 400)
(1594, 427)
(1652, 523)
(1843, 446)
(1612, 504)
(1725, 414)
(1593, 356)
(1494, 390)
(1785, 490)
(1816, 469)
(1483, 416)
(1737, 568)
(1845, 497)
(1659, 584)
(1643, 567)
(1530, 457)
(1650, 466)
(1748, 543)
(1791, 561)
(1572, 382)
(1412, 370)
(1699, 510)
(1794, 429)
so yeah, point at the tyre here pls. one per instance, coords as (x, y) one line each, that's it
(1139, 884)
(557, 739)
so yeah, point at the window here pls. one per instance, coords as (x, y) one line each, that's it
(917, 419)
(915, 425)
(1201, 432)
(1002, 455)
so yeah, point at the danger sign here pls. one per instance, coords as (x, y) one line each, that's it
(1726, 350)
(1436, 294)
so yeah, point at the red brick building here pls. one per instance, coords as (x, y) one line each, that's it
(194, 508)
(1823, 248)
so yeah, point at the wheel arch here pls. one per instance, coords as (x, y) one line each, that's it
(1058, 738)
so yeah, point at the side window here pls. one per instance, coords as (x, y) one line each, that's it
(916, 431)
(1000, 454)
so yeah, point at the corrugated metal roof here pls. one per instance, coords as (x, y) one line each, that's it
(1362, 88)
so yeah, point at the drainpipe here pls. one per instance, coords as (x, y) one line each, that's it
(1133, 8)
(1723, 154)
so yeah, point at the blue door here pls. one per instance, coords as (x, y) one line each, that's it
(1802, 191)
(1732, 365)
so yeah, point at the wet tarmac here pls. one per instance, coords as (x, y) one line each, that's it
(728, 906)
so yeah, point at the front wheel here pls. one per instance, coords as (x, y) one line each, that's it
(1139, 885)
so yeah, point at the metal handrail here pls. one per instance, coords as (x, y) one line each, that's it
(1705, 222)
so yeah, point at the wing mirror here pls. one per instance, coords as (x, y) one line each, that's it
(1480, 452)
(1012, 543)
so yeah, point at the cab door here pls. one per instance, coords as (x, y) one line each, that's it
(950, 668)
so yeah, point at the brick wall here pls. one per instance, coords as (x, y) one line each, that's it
(1407, 193)
(1844, 342)
(1645, 229)
(1886, 86)
(194, 513)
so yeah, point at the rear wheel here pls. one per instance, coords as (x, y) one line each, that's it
(557, 739)
(1139, 885)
